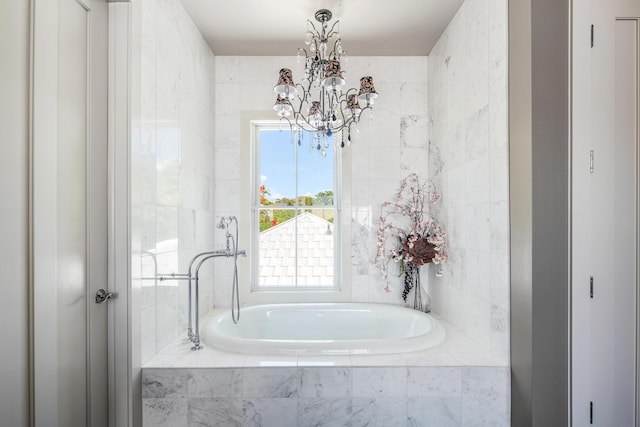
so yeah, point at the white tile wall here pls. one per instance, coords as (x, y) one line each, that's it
(469, 161)
(171, 167)
(461, 109)
(391, 146)
(451, 125)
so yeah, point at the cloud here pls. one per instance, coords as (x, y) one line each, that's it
(263, 178)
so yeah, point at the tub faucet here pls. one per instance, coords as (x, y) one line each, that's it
(224, 224)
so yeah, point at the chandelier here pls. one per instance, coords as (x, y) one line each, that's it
(319, 104)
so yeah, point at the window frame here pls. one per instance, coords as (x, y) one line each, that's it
(251, 292)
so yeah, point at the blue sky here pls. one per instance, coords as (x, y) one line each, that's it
(277, 158)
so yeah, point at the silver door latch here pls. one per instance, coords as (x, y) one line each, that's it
(102, 296)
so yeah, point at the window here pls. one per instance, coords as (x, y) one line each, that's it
(288, 159)
(295, 210)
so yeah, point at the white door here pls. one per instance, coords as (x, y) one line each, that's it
(69, 212)
(605, 177)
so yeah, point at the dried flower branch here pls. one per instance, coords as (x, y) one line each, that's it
(407, 234)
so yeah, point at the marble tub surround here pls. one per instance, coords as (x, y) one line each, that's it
(442, 116)
(457, 350)
(340, 396)
(172, 215)
(468, 161)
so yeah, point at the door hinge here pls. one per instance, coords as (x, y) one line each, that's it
(590, 412)
(591, 161)
(591, 286)
(592, 35)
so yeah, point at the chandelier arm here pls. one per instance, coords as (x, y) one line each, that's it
(332, 33)
(288, 121)
(294, 108)
(362, 110)
(306, 93)
(342, 103)
(348, 92)
(306, 55)
(315, 30)
(300, 85)
(297, 111)
(302, 122)
(351, 89)
(335, 49)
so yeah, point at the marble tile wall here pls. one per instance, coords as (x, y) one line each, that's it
(450, 126)
(171, 167)
(311, 396)
(468, 159)
(389, 147)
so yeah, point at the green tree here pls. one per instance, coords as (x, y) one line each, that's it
(323, 198)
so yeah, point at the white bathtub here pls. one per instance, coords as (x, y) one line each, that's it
(326, 328)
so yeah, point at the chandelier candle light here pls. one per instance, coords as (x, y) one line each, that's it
(329, 109)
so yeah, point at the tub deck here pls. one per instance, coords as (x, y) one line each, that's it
(456, 350)
(455, 383)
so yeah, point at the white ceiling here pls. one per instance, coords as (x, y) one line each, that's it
(368, 28)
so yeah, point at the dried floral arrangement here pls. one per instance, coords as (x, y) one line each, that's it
(408, 234)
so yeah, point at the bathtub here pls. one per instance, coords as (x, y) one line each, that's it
(323, 328)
